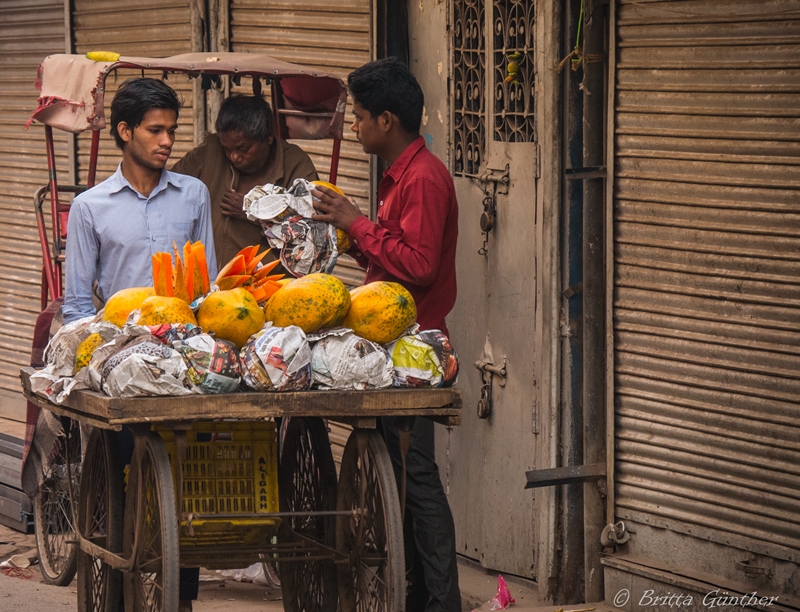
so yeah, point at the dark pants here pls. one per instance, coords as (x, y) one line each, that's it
(189, 576)
(429, 532)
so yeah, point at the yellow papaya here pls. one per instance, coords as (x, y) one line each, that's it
(380, 311)
(311, 302)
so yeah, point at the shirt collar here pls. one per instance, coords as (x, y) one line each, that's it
(396, 170)
(117, 182)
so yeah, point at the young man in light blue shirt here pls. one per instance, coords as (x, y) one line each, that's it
(138, 211)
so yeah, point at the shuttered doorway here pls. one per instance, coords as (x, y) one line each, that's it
(330, 36)
(32, 29)
(706, 286)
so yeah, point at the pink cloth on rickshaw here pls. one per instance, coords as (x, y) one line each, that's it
(72, 89)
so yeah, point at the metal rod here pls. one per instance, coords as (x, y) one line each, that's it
(51, 166)
(48, 276)
(207, 517)
(93, 158)
(594, 295)
(334, 173)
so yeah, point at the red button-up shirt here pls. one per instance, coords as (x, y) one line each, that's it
(414, 241)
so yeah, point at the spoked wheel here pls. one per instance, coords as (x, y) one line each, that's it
(52, 511)
(307, 482)
(373, 579)
(151, 529)
(100, 521)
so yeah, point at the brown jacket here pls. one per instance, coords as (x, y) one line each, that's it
(208, 163)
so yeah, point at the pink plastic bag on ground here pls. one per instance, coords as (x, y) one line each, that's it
(501, 600)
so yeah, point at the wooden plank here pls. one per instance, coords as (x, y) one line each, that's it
(92, 406)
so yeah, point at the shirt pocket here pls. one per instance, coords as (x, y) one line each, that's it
(180, 232)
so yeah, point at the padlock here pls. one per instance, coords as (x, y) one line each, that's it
(487, 221)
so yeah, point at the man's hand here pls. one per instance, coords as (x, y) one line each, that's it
(335, 209)
(231, 205)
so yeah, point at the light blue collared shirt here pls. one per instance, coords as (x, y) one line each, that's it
(113, 230)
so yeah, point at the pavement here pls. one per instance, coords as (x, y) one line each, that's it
(217, 592)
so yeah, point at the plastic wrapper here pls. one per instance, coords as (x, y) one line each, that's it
(213, 364)
(56, 380)
(501, 601)
(305, 246)
(277, 359)
(424, 359)
(342, 360)
(138, 363)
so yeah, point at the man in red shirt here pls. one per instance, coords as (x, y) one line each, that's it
(412, 243)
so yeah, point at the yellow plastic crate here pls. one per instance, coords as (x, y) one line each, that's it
(230, 467)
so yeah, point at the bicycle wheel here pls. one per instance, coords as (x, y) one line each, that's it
(307, 482)
(100, 521)
(374, 578)
(150, 523)
(52, 512)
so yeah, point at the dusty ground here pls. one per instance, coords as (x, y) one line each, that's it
(216, 592)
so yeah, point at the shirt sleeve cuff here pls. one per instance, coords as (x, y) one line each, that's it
(360, 227)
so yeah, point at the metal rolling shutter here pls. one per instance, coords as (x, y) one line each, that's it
(107, 25)
(706, 213)
(330, 36)
(32, 29)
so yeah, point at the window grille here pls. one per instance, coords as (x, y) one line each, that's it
(469, 85)
(514, 99)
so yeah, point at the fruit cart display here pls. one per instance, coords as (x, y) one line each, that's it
(207, 485)
(306, 103)
(204, 488)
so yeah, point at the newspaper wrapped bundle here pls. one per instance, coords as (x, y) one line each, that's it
(305, 245)
(424, 359)
(342, 360)
(58, 378)
(137, 364)
(277, 359)
(212, 363)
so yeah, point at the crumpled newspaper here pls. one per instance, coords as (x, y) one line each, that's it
(424, 359)
(213, 363)
(137, 363)
(277, 359)
(57, 380)
(305, 245)
(342, 360)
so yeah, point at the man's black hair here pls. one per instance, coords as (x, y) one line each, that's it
(249, 115)
(133, 100)
(388, 85)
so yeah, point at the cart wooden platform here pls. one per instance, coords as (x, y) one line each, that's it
(338, 545)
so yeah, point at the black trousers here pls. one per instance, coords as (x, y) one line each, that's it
(189, 576)
(429, 531)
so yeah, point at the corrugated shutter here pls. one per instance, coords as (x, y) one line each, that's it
(331, 36)
(32, 29)
(707, 270)
(145, 29)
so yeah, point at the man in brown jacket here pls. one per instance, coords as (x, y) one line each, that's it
(242, 154)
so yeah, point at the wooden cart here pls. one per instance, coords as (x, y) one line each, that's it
(332, 542)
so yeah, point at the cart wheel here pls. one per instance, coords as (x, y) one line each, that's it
(52, 512)
(307, 482)
(100, 521)
(374, 577)
(150, 525)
